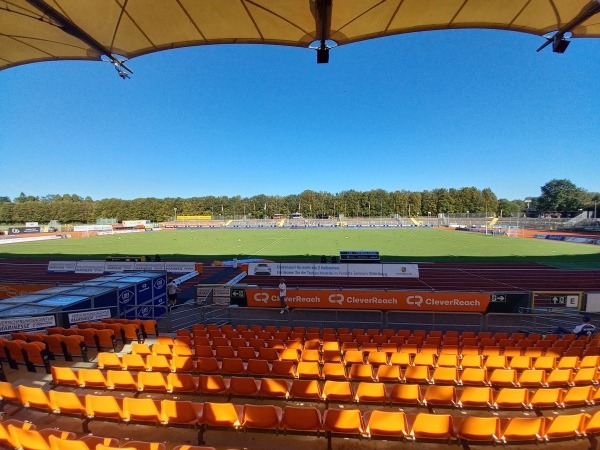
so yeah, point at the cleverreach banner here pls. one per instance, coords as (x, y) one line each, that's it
(388, 300)
(26, 323)
(392, 270)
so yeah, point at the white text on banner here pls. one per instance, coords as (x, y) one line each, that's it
(62, 266)
(26, 323)
(90, 267)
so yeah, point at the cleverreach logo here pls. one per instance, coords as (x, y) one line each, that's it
(261, 297)
(300, 299)
(419, 301)
(452, 302)
(374, 300)
(416, 300)
(336, 298)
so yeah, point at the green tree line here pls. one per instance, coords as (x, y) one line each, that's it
(72, 208)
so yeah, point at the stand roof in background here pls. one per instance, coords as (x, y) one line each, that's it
(44, 30)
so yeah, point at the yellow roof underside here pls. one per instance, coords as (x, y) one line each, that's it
(135, 27)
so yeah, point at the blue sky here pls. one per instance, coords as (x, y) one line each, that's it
(442, 109)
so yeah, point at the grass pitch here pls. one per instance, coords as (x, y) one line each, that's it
(394, 244)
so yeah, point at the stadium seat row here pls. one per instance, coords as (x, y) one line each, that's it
(420, 427)
(68, 347)
(147, 326)
(322, 391)
(19, 435)
(475, 374)
(559, 348)
(30, 355)
(98, 339)
(316, 332)
(335, 353)
(126, 333)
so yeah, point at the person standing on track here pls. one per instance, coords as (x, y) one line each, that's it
(282, 294)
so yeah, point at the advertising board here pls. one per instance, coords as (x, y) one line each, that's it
(17, 231)
(388, 300)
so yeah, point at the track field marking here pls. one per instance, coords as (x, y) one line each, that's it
(270, 243)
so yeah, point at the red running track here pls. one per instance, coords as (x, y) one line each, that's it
(488, 277)
(34, 271)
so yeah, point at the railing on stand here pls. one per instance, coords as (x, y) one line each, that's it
(181, 316)
(334, 318)
(258, 316)
(445, 321)
(541, 320)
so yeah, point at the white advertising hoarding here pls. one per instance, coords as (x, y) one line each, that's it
(26, 323)
(62, 266)
(118, 266)
(366, 270)
(89, 316)
(179, 267)
(90, 267)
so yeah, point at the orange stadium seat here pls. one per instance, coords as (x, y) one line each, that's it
(67, 402)
(565, 426)
(473, 429)
(152, 381)
(181, 382)
(212, 384)
(406, 394)
(440, 396)
(305, 420)
(507, 398)
(258, 367)
(181, 412)
(262, 417)
(105, 407)
(547, 398)
(371, 393)
(476, 397)
(339, 391)
(93, 378)
(273, 387)
(107, 360)
(432, 427)
(145, 410)
(334, 371)
(64, 376)
(243, 387)
(116, 379)
(523, 429)
(34, 397)
(386, 424)
(343, 422)
(222, 415)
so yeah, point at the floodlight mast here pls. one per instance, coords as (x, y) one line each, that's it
(69, 27)
(558, 40)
